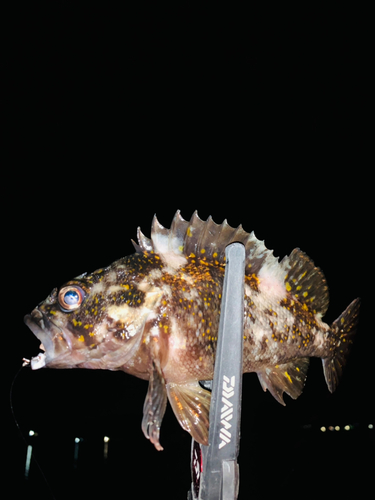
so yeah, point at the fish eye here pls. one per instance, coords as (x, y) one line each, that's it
(70, 297)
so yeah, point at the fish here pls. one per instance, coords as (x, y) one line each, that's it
(155, 315)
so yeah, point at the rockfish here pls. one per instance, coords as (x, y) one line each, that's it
(155, 314)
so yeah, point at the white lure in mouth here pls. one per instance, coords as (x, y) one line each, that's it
(38, 361)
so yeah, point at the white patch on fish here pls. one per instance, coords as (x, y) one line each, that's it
(271, 281)
(169, 250)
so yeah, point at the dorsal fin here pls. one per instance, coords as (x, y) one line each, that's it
(204, 238)
(208, 240)
(306, 282)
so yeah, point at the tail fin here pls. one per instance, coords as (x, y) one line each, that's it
(340, 338)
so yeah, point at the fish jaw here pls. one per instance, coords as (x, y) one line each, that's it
(54, 341)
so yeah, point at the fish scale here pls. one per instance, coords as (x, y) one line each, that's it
(155, 314)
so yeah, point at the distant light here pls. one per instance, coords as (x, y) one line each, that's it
(337, 428)
(370, 426)
(331, 428)
(323, 429)
(347, 427)
(31, 433)
(28, 461)
(77, 440)
(105, 449)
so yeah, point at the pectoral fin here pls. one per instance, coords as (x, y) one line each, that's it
(191, 405)
(288, 377)
(154, 407)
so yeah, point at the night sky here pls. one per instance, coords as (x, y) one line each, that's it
(257, 117)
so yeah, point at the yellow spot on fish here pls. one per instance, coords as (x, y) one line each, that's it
(181, 248)
(299, 287)
(53, 312)
(126, 287)
(81, 338)
(288, 376)
(288, 287)
(91, 334)
(297, 369)
(305, 294)
(214, 255)
(203, 250)
(189, 231)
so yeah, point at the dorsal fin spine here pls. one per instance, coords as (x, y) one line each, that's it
(177, 233)
(144, 243)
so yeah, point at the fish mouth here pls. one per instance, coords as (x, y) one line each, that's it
(53, 341)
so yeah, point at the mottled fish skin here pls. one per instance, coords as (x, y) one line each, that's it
(155, 314)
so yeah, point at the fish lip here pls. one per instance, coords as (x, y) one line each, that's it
(46, 331)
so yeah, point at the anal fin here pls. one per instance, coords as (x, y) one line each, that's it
(154, 407)
(288, 377)
(191, 405)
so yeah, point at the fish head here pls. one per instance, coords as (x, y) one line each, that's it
(93, 321)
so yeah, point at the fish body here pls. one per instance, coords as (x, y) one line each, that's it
(155, 314)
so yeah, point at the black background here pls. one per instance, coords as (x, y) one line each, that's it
(257, 116)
